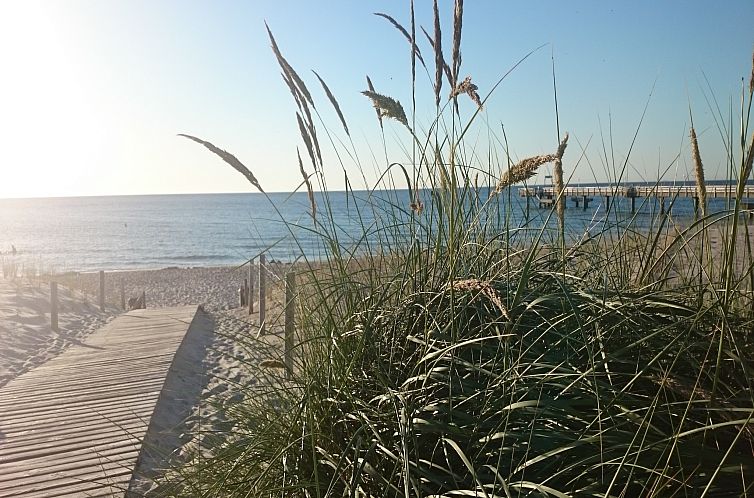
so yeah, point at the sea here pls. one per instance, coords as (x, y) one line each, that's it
(80, 234)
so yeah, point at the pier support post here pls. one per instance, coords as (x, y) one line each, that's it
(662, 206)
(290, 317)
(576, 201)
(633, 205)
(696, 208)
(586, 202)
(607, 203)
(54, 306)
(262, 290)
(102, 290)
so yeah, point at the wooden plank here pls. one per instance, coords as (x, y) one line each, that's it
(75, 424)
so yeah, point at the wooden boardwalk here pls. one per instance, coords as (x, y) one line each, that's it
(74, 425)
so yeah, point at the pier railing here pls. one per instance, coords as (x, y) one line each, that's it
(713, 191)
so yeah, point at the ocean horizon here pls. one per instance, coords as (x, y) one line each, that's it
(124, 232)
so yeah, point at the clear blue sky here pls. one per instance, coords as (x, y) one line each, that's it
(94, 92)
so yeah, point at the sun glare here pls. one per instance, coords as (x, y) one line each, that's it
(47, 115)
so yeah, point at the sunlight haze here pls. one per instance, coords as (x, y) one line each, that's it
(94, 93)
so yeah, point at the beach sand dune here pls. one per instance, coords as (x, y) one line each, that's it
(26, 336)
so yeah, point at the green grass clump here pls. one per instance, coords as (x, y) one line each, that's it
(463, 354)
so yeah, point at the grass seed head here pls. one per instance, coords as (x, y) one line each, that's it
(521, 171)
(228, 158)
(481, 288)
(469, 88)
(333, 101)
(387, 107)
(309, 189)
(557, 179)
(405, 33)
(701, 188)
(371, 89)
(457, 28)
(439, 62)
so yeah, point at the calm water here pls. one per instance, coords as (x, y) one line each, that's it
(123, 232)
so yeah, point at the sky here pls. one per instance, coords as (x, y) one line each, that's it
(94, 92)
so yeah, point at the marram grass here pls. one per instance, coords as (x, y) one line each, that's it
(467, 356)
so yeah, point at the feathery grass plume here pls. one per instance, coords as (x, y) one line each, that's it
(417, 206)
(307, 140)
(469, 88)
(405, 33)
(557, 179)
(228, 158)
(522, 170)
(445, 67)
(437, 46)
(456, 54)
(377, 110)
(701, 188)
(387, 107)
(483, 288)
(333, 101)
(300, 103)
(288, 69)
(309, 189)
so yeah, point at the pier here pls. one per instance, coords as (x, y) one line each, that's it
(585, 194)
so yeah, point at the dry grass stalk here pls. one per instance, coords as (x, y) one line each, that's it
(701, 188)
(483, 288)
(445, 67)
(307, 140)
(557, 179)
(469, 88)
(439, 62)
(228, 158)
(414, 49)
(309, 189)
(387, 107)
(288, 69)
(405, 33)
(523, 170)
(333, 101)
(751, 79)
(457, 27)
(371, 89)
(749, 157)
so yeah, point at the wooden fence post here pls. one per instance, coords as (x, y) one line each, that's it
(143, 300)
(102, 290)
(54, 305)
(262, 290)
(250, 294)
(290, 318)
(122, 294)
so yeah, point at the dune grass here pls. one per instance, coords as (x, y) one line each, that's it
(464, 354)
